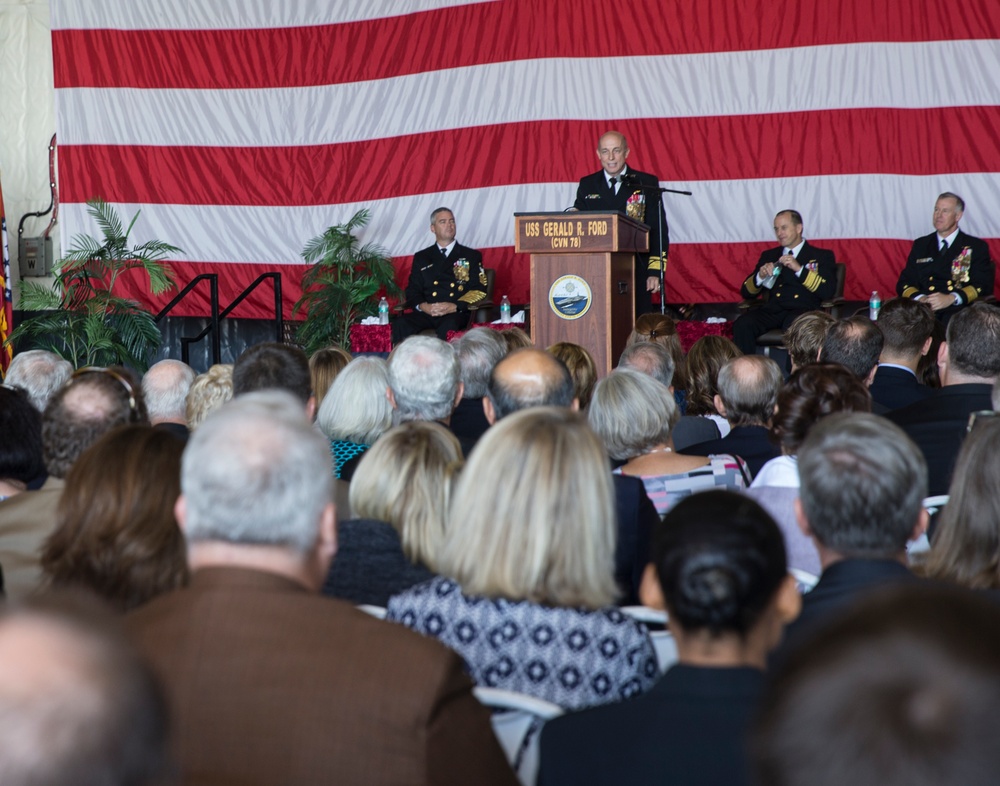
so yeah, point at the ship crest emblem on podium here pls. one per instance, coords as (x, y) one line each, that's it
(570, 297)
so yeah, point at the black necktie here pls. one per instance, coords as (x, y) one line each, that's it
(614, 180)
(944, 246)
(444, 252)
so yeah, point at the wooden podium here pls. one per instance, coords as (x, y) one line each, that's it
(582, 278)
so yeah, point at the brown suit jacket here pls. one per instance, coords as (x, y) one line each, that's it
(271, 684)
(26, 520)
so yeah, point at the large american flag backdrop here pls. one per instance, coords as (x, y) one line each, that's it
(242, 129)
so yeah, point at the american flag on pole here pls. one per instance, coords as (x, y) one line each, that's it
(7, 303)
(241, 130)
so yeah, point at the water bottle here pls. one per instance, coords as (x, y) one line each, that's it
(874, 304)
(383, 312)
(505, 311)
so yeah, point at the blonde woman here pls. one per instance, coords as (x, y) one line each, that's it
(400, 495)
(530, 547)
(208, 392)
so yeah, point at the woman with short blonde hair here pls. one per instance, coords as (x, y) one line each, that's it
(530, 549)
(399, 496)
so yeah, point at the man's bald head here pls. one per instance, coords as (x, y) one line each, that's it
(528, 378)
(90, 405)
(84, 708)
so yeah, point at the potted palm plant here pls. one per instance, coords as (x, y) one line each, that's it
(83, 320)
(343, 284)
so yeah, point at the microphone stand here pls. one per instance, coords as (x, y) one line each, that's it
(659, 230)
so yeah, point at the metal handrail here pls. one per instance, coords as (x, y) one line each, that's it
(279, 318)
(213, 325)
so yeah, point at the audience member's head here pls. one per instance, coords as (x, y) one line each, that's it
(748, 390)
(324, 366)
(515, 338)
(805, 336)
(928, 372)
(116, 534)
(660, 329)
(720, 572)
(971, 352)
(965, 548)
(863, 483)
(82, 707)
(274, 366)
(707, 355)
(632, 413)
(355, 408)
(548, 529)
(581, 366)
(20, 441)
(478, 350)
(208, 392)
(528, 378)
(407, 480)
(256, 483)
(165, 387)
(856, 344)
(907, 326)
(649, 358)
(424, 380)
(39, 373)
(899, 691)
(809, 395)
(93, 402)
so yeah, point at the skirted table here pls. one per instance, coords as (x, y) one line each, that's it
(378, 338)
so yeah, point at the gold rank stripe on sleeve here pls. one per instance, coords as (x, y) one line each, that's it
(910, 292)
(751, 284)
(813, 280)
(472, 297)
(654, 264)
(970, 293)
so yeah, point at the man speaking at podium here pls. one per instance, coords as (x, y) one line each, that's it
(620, 188)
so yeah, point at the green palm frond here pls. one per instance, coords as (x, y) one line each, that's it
(85, 321)
(343, 283)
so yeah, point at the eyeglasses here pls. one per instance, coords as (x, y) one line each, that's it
(979, 416)
(122, 380)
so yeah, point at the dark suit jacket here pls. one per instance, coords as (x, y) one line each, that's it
(897, 387)
(937, 424)
(840, 585)
(593, 194)
(269, 683)
(751, 443)
(792, 292)
(636, 518)
(692, 429)
(688, 730)
(468, 421)
(436, 279)
(370, 565)
(928, 270)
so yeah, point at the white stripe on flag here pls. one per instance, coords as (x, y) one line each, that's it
(837, 207)
(855, 76)
(243, 15)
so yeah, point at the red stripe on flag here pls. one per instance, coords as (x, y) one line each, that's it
(907, 142)
(720, 270)
(488, 33)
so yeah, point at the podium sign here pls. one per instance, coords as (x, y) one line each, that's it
(582, 274)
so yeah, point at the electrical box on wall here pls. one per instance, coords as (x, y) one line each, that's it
(35, 255)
